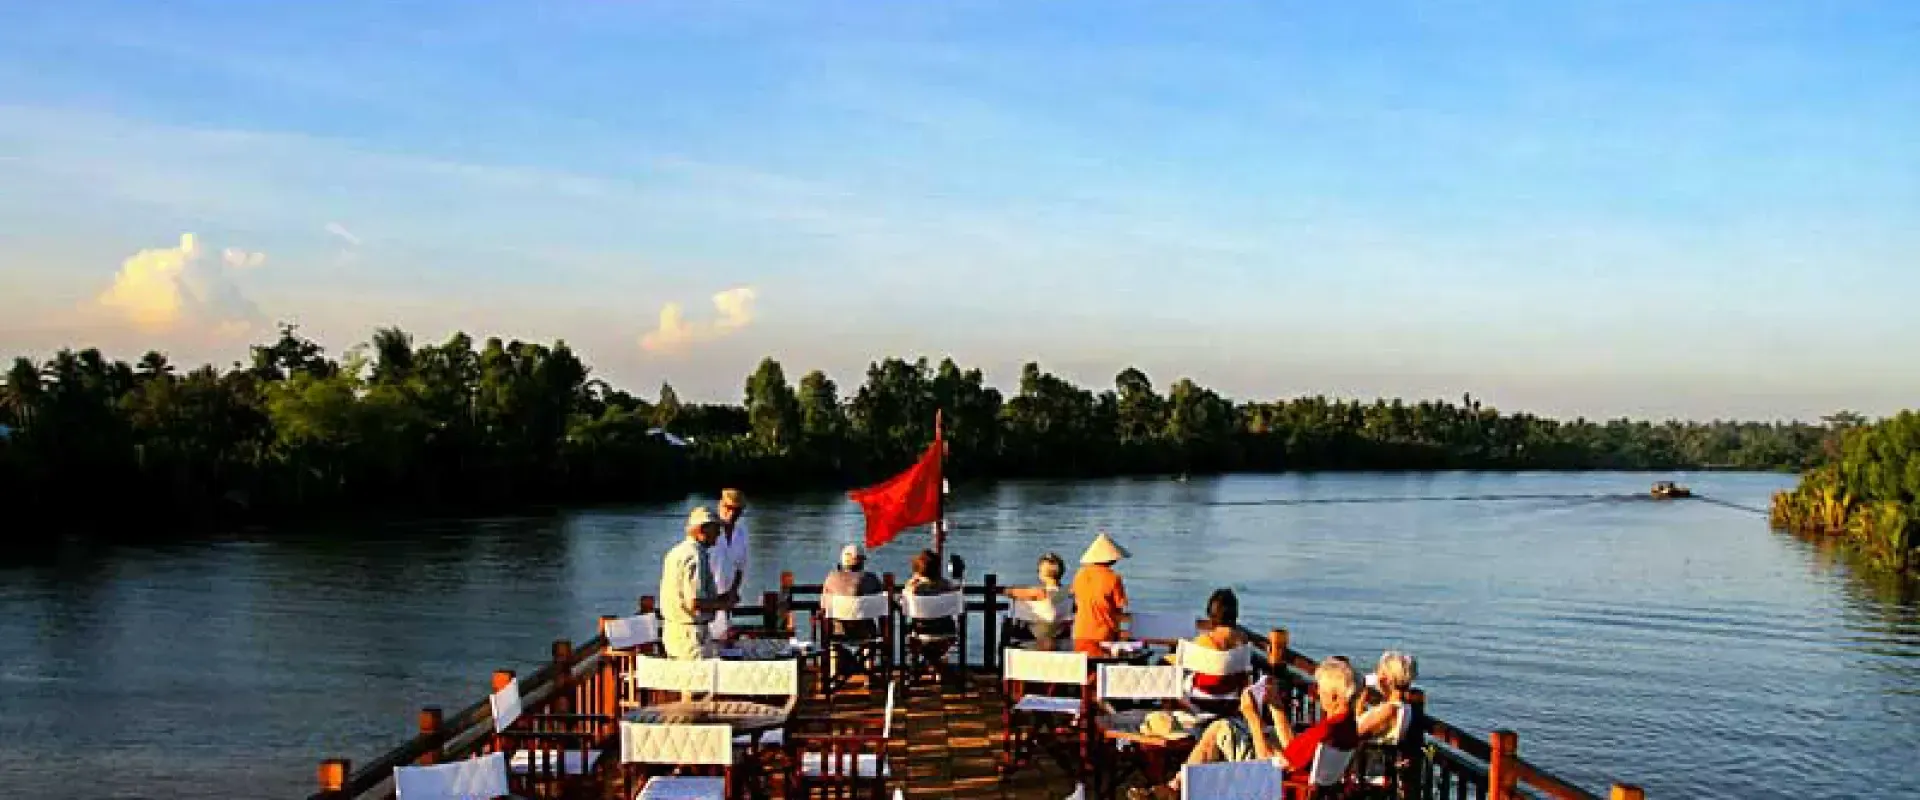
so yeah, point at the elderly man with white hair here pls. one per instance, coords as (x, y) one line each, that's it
(688, 596)
(1245, 738)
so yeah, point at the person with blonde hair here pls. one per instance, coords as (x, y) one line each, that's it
(1395, 722)
(1054, 605)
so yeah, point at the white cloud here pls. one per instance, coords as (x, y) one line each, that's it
(735, 309)
(341, 231)
(180, 288)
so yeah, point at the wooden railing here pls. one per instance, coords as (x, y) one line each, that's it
(585, 681)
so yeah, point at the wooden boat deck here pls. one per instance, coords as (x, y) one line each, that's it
(945, 743)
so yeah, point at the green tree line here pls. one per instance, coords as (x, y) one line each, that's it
(451, 426)
(1866, 487)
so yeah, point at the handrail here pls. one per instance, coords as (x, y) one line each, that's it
(1462, 760)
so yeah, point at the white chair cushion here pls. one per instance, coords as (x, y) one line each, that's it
(1208, 661)
(1121, 682)
(666, 674)
(844, 607)
(646, 743)
(1231, 780)
(572, 762)
(683, 788)
(863, 766)
(1048, 705)
(1045, 667)
(481, 777)
(506, 706)
(629, 632)
(1329, 764)
(935, 606)
(758, 678)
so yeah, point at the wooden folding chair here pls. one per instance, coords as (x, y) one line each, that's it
(688, 749)
(1056, 718)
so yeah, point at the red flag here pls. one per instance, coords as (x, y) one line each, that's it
(905, 500)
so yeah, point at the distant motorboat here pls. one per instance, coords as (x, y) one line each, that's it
(1668, 489)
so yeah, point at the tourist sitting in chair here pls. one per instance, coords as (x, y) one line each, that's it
(851, 580)
(1245, 738)
(1223, 634)
(1393, 723)
(1049, 605)
(927, 582)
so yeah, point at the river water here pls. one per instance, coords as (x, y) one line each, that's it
(1680, 645)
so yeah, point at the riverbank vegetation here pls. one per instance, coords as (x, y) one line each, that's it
(1866, 488)
(455, 427)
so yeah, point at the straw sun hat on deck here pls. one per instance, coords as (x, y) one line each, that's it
(1103, 551)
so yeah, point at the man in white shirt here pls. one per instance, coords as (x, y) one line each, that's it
(730, 551)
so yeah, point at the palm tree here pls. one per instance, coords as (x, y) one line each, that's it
(23, 392)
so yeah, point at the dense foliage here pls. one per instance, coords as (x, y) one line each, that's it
(1867, 488)
(437, 427)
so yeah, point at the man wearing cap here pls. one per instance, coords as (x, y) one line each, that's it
(851, 580)
(1099, 598)
(688, 597)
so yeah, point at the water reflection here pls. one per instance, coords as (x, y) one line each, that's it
(1677, 644)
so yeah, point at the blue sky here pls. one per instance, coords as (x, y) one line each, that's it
(1652, 208)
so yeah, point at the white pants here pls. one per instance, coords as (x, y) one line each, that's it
(684, 642)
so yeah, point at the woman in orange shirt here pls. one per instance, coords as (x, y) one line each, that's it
(1099, 598)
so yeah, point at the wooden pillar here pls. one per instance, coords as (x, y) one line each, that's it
(786, 600)
(429, 722)
(563, 677)
(646, 604)
(502, 678)
(333, 775)
(990, 624)
(1504, 747)
(1626, 791)
(1277, 641)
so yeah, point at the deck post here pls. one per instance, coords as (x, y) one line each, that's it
(770, 612)
(1626, 791)
(786, 599)
(502, 678)
(563, 675)
(333, 775)
(989, 625)
(892, 624)
(1277, 641)
(646, 604)
(1504, 747)
(429, 722)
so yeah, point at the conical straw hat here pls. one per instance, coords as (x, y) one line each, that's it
(1103, 550)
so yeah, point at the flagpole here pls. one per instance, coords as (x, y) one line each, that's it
(940, 524)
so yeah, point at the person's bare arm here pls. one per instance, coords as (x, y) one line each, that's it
(1376, 720)
(1250, 710)
(1026, 593)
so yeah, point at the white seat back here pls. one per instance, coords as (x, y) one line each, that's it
(626, 633)
(758, 678)
(1037, 611)
(936, 606)
(847, 608)
(1232, 780)
(1122, 682)
(1329, 765)
(690, 745)
(1208, 661)
(506, 706)
(1157, 626)
(674, 675)
(1040, 667)
(477, 778)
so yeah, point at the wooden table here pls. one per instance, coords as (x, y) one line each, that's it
(1159, 756)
